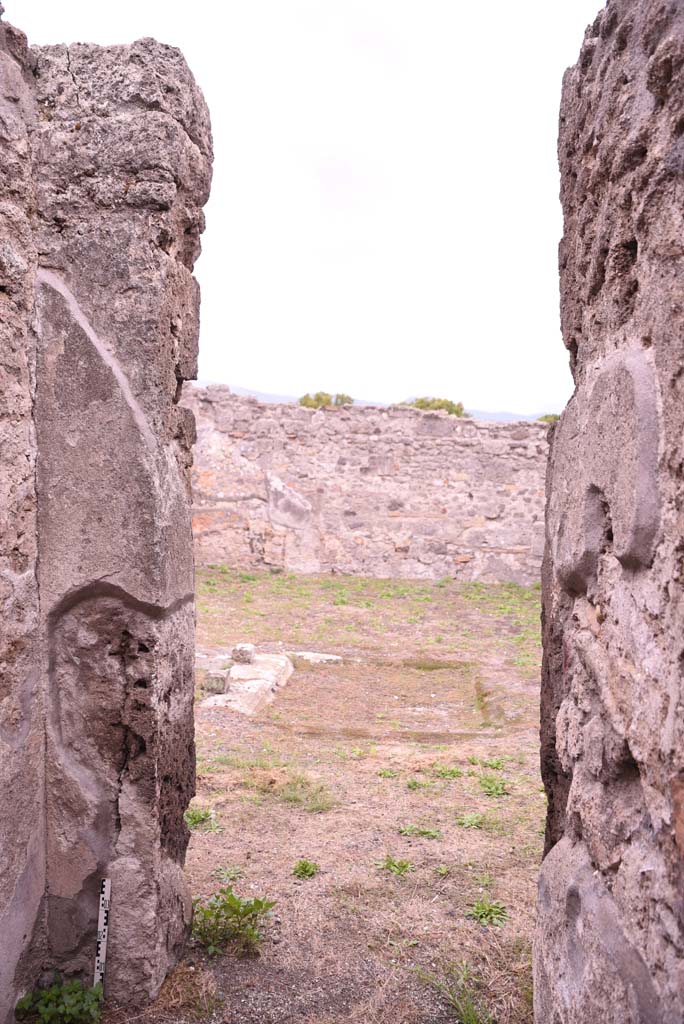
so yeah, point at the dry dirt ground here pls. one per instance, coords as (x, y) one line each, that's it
(430, 724)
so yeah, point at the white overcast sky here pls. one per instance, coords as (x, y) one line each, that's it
(384, 216)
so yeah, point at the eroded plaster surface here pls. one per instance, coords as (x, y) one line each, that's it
(106, 166)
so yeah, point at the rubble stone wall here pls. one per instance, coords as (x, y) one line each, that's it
(106, 162)
(610, 938)
(386, 492)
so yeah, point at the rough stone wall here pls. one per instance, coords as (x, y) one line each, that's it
(610, 939)
(108, 156)
(22, 837)
(380, 492)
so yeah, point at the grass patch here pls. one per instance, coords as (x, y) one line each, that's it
(421, 831)
(460, 988)
(493, 786)
(301, 791)
(415, 784)
(432, 664)
(471, 820)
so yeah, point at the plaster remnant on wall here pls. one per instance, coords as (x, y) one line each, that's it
(106, 164)
(386, 492)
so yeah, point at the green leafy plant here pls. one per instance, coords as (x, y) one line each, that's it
(443, 870)
(419, 830)
(445, 771)
(495, 763)
(387, 773)
(414, 784)
(433, 404)
(471, 820)
(305, 869)
(203, 818)
(395, 867)
(487, 912)
(228, 874)
(226, 917)
(68, 1002)
(549, 417)
(493, 786)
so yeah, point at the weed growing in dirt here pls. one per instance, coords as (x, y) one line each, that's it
(414, 784)
(472, 820)
(387, 773)
(445, 771)
(395, 867)
(202, 818)
(495, 763)
(305, 869)
(493, 786)
(226, 917)
(442, 870)
(459, 988)
(486, 911)
(418, 830)
(68, 1002)
(228, 874)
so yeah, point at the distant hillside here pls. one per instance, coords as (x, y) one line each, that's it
(477, 414)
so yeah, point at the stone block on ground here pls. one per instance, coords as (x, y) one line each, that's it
(253, 686)
(315, 658)
(243, 654)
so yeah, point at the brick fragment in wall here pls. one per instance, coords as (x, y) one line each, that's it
(106, 164)
(386, 492)
(610, 937)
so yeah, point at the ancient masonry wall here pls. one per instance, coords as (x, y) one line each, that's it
(610, 939)
(381, 492)
(104, 167)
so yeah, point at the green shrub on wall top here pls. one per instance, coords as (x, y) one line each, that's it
(433, 404)
(323, 400)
